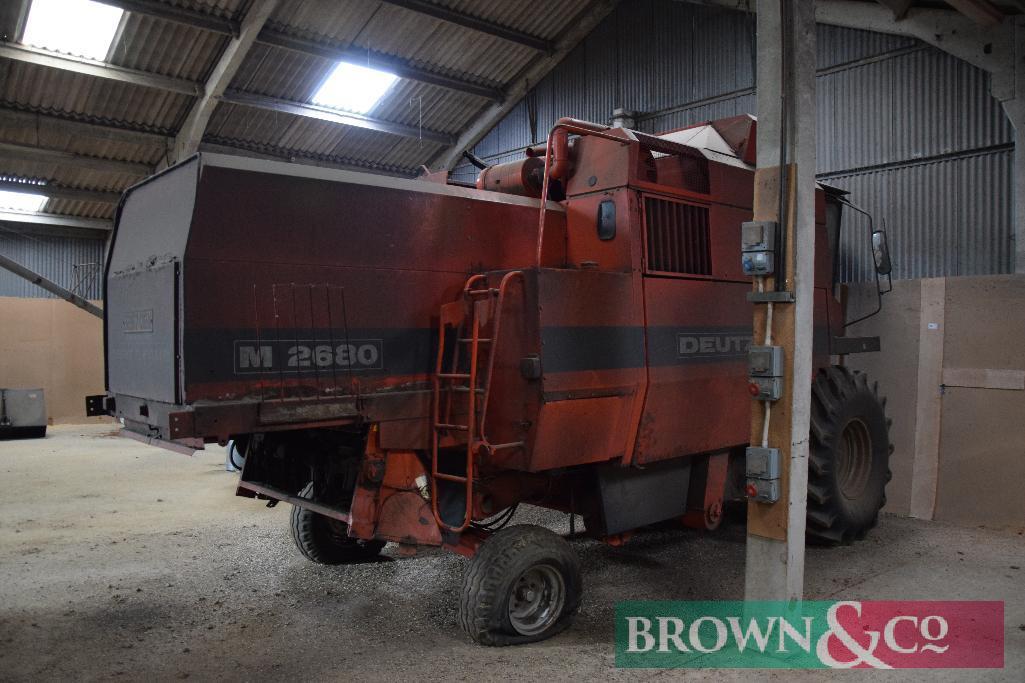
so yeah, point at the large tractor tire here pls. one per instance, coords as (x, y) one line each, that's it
(325, 540)
(522, 586)
(849, 457)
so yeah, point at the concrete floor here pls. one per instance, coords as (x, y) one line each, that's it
(119, 560)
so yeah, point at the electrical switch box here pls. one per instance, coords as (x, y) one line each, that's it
(758, 263)
(763, 472)
(765, 372)
(758, 236)
(766, 388)
(765, 361)
(762, 463)
(763, 490)
(758, 244)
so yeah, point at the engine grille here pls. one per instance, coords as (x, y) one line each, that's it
(677, 237)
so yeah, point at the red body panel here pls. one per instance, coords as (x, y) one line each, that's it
(374, 264)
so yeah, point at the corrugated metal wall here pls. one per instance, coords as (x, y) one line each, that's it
(70, 262)
(911, 131)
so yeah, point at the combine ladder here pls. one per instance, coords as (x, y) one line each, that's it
(474, 321)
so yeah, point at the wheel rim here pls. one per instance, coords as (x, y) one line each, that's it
(854, 460)
(537, 599)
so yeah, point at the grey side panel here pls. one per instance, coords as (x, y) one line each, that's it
(143, 285)
(154, 222)
(142, 333)
(632, 497)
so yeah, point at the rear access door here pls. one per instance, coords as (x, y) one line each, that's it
(143, 296)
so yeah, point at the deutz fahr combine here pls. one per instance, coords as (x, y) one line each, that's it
(406, 361)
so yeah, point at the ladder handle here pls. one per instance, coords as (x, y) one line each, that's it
(468, 287)
(503, 288)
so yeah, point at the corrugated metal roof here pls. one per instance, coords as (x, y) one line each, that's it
(897, 122)
(287, 135)
(545, 20)
(443, 47)
(338, 22)
(74, 207)
(41, 88)
(63, 141)
(168, 48)
(282, 73)
(219, 8)
(161, 46)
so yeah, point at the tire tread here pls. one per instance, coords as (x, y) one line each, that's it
(834, 391)
(483, 596)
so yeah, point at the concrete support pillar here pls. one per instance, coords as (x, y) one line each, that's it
(786, 124)
(1019, 186)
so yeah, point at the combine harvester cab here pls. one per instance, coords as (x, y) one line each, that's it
(407, 361)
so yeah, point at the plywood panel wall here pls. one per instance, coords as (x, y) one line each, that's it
(964, 463)
(51, 344)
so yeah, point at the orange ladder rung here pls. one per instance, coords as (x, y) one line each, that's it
(450, 477)
(458, 428)
(501, 446)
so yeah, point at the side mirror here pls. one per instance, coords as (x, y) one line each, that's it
(881, 252)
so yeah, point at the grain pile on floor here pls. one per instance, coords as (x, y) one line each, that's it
(118, 559)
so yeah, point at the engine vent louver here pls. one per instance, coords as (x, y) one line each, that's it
(677, 236)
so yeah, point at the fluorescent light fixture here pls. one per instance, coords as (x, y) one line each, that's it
(354, 88)
(76, 27)
(21, 201)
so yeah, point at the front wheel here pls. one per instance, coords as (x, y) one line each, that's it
(849, 457)
(522, 586)
(325, 540)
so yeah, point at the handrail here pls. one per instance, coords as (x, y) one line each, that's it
(557, 166)
(502, 288)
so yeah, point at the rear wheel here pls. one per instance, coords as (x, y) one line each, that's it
(849, 456)
(523, 585)
(325, 540)
(235, 457)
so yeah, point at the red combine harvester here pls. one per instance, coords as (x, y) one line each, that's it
(408, 360)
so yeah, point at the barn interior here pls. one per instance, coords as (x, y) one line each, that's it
(154, 556)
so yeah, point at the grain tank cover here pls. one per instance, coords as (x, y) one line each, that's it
(243, 281)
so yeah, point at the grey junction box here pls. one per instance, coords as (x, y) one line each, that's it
(22, 413)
